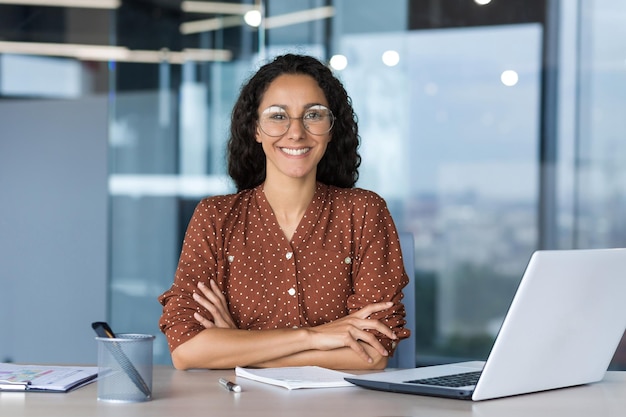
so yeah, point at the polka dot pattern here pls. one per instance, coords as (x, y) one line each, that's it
(344, 254)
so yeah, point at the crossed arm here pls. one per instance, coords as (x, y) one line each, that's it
(346, 343)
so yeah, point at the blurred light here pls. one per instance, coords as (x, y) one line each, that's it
(339, 62)
(482, 2)
(253, 18)
(208, 25)
(113, 53)
(215, 7)
(89, 4)
(509, 78)
(391, 58)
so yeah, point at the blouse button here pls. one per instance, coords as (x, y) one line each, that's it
(291, 291)
(348, 260)
(231, 258)
(289, 255)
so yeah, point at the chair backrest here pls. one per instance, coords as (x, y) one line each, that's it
(405, 354)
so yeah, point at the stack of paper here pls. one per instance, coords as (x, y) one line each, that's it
(297, 377)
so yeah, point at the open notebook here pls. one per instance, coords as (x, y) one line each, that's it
(562, 328)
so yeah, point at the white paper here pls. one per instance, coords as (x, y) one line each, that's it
(297, 377)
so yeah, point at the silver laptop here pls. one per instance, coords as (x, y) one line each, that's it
(562, 329)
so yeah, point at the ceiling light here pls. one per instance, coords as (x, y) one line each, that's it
(114, 53)
(205, 55)
(214, 7)
(391, 58)
(339, 62)
(253, 18)
(509, 78)
(89, 4)
(208, 25)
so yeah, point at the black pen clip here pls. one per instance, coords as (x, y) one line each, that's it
(102, 329)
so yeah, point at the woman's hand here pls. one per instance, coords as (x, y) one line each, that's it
(214, 301)
(348, 331)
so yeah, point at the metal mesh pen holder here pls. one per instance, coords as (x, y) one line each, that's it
(125, 368)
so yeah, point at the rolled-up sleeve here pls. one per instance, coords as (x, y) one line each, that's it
(197, 263)
(379, 273)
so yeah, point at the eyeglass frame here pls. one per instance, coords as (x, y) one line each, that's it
(304, 124)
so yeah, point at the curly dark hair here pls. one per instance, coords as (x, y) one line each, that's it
(246, 159)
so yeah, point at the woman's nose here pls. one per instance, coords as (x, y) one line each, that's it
(296, 128)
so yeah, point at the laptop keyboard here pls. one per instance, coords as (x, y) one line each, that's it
(456, 380)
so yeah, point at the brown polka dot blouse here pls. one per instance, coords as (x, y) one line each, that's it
(344, 254)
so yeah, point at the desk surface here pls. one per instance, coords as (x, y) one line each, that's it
(197, 393)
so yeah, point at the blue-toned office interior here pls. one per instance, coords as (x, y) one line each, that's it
(492, 128)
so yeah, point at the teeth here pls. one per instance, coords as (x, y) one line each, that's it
(294, 152)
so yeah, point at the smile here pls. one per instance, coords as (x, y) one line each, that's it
(295, 152)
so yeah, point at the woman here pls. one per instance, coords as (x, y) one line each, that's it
(297, 268)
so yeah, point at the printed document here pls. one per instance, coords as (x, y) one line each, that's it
(45, 378)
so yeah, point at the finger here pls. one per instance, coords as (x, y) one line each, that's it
(360, 351)
(369, 324)
(223, 319)
(371, 340)
(222, 305)
(218, 293)
(380, 327)
(372, 308)
(203, 301)
(203, 321)
(215, 303)
(209, 293)
(367, 311)
(218, 315)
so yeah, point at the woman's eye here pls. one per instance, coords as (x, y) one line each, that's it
(313, 115)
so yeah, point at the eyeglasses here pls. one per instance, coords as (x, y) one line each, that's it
(317, 120)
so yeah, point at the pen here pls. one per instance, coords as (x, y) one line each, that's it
(102, 329)
(230, 386)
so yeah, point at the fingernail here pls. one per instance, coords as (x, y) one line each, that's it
(200, 284)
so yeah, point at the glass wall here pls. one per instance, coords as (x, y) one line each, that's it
(492, 129)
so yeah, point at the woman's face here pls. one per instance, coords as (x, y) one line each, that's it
(296, 152)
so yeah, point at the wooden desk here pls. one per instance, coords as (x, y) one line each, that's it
(197, 393)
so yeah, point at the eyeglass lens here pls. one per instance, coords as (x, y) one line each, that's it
(275, 121)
